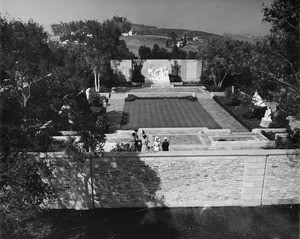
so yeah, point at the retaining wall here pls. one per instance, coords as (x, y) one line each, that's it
(183, 179)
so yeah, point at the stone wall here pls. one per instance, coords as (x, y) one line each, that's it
(193, 179)
(190, 69)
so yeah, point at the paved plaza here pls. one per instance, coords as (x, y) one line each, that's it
(211, 127)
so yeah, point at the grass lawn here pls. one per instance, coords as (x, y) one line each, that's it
(164, 113)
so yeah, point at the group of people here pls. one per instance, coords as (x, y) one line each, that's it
(143, 144)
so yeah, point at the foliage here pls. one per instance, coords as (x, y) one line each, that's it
(279, 120)
(177, 53)
(131, 97)
(213, 88)
(225, 60)
(274, 60)
(175, 72)
(269, 134)
(239, 112)
(291, 141)
(137, 76)
(155, 53)
(24, 56)
(122, 147)
(98, 43)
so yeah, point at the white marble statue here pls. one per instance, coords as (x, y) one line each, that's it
(267, 116)
(257, 100)
(266, 120)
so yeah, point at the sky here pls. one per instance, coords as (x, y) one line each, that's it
(215, 16)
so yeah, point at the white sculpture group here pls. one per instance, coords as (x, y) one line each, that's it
(159, 76)
(258, 101)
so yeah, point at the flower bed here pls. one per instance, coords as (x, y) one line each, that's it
(238, 112)
(134, 97)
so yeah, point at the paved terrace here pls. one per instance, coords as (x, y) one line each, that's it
(194, 139)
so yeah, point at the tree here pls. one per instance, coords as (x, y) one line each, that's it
(226, 61)
(275, 59)
(218, 60)
(100, 43)
(25, 58)
(177, 53)
(145, 52)
(173, 37)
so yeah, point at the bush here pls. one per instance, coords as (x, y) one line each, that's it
(175, 78)
(42, 141)
(191, 98)
(292, 141)
(102, 123)
(269, 134)
(102, 98)
(131, 98)
(279, 120)
(228, 93)
(259, 112)
(192, 83)
(213, 88)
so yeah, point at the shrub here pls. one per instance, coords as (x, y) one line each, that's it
(102, 123)
(292, 141)
(213, 88)
(279, 120)
(130, 98)
(42, 141)
(175, 78)
(102, 98)
(228, 93)
(191, 98)
(258, 112)
(269, 134)
(122, 147)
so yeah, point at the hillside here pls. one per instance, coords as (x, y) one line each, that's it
(152, 30)
(134, 42)
(243, 37)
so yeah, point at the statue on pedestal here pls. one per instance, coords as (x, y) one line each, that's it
(266, 120)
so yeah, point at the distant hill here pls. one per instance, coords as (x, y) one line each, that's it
(134, 42)
(141, 29)
(243, 37)
(150, 35)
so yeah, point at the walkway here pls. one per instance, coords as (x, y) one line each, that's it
(115, 110)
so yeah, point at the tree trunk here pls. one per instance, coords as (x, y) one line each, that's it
(98, 82)
(221, 82)
(95, 79)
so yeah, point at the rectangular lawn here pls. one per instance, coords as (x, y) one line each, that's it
(164, 113)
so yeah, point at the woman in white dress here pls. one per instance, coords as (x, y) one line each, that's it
(156, 144)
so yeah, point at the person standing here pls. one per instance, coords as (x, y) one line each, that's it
(165, 145)
(137, 141)
(156, 144)
(145, 142)
(132, 142)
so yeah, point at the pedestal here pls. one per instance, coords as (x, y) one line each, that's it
(265, 123)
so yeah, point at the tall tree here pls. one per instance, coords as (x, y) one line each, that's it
(24, 55)
(24, 61)
(100, 43)
(278, 57)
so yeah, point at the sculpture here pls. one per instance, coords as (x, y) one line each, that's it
(257, 100)
(266, 120)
